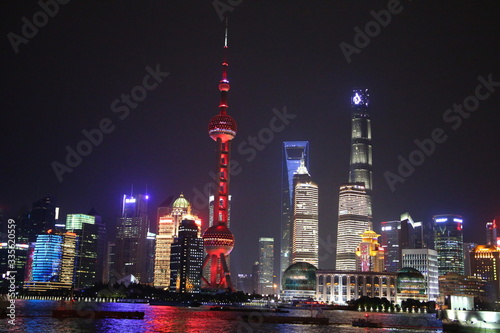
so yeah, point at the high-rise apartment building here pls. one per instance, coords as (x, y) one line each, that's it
(448, 242)
(186, 259)
(354, 219)
(293, 153)
(425, 261)
(266, 263)
(131, 238)
(305, 217)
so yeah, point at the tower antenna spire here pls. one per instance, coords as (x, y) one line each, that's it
(225, 36)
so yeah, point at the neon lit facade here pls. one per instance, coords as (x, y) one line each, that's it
(218, 239)
(76, 221)
(370, 255)
(305, 218)
(448, 242)
(47, 258)
(293, 152)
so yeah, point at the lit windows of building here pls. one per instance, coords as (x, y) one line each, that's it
(186, 259)
(448, 242)
(424, 261)
(354, 218)
(485, 265)
(339, 287)
(305, 218)
(266, 269)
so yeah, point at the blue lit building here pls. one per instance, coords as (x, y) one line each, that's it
(293, 152)
(47, 258)
(448, 242)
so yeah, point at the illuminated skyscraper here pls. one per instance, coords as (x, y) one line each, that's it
(170, 216)
(218, 239)
(361, 140)
(131, 239)
(370, 255)
(87, 233)
(266, 266)
(52, 266)
(354, 218)
(305, 217)
(485, 265)
(102, 245)
(492, 233)
(293, 152)
(448, 242)
(186, 258)
(355, 202)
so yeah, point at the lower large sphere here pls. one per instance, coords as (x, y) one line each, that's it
(218, 239)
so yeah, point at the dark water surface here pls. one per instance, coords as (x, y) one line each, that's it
(35, 316)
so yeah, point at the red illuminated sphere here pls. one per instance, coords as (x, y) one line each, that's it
(218, 239)
(222, 126)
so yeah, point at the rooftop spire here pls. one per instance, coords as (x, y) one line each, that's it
(224, 83)
(225, 36)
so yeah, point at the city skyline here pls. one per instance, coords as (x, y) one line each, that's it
(65, 79)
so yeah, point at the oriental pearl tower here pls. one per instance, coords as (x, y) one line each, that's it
(218, 240)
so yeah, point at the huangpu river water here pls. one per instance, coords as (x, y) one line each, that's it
(35, 316)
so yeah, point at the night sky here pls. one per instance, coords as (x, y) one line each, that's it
(283, 54)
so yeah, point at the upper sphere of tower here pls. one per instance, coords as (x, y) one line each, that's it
(222, 126)
(180, 202)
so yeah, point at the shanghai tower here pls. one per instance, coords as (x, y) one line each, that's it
(361, 140)
(218, 240)
(355, 203)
